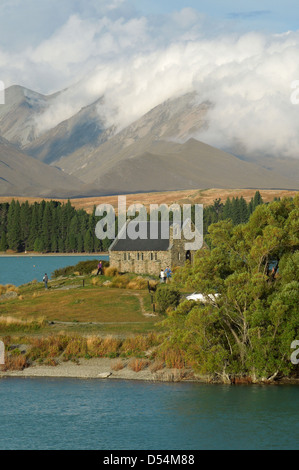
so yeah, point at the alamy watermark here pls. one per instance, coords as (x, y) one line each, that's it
(2, 353)
(295, 354)
(134, 223)
(2, 93)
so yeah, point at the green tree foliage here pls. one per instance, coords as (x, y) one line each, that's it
(48, 226)
(249, 327)
(167, 296)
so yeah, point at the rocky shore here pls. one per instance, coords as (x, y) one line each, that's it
(103, 368)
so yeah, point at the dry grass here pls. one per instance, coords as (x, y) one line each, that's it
(15, 363)
(76, 347)
(192, 196)
(174, 359)
(157, 365)
(118, 365)
(51, 346)
(102, 347)
(139, 344)
(8, 288)
(139, 283)
(138, 364)
(12, 323)
(110, 271)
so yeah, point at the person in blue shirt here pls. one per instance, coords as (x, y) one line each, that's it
(168, 273)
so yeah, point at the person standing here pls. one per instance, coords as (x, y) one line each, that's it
(45, 279)
(100, 268)
(168, 274)
(162, 276)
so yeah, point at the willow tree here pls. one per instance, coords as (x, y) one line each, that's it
(248, 328)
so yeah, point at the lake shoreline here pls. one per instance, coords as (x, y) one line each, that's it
(104, 368)
(31, 254)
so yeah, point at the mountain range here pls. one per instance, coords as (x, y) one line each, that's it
(84, 156)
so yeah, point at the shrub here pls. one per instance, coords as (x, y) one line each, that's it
(167, 296)
(83, 267)
(110, 271)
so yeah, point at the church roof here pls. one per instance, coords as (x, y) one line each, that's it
(152, 236)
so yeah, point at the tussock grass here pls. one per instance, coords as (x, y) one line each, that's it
(138, 283)
(14, 362)
(120, 282)
(110, 271)
(76, 347)
(118, 365)
(8, 288)
(103, 347)
(137, 364)
(157, 365)
(9, 323)
(173, 358)
(51, 346)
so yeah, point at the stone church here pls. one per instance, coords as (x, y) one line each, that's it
(149, 255)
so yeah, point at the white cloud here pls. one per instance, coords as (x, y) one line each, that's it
(136, 64)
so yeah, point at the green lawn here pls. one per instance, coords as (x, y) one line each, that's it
(112, 309)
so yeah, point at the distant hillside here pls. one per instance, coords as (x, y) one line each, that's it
(157, 152)
(193, 196)
(21, 175)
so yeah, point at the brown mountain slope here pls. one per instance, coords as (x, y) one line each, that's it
(21, 175)
(180, 166)
(179, 118)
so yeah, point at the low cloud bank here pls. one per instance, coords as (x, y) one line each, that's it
(136, 63)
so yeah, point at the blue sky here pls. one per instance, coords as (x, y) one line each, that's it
(268, 15)
(24, 22)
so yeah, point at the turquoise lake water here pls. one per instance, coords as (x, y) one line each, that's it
(19, 270)
(123, 415)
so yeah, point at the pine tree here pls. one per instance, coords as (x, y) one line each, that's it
(236, 217)
(257, 200)
(47, 228)
(88, 242)
(3, 242)
(80, 243)
(25, 217)
(34, 226)
(13, 226)
(227, 209)
(243, 210)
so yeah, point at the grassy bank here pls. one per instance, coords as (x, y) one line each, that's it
(84, 317)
